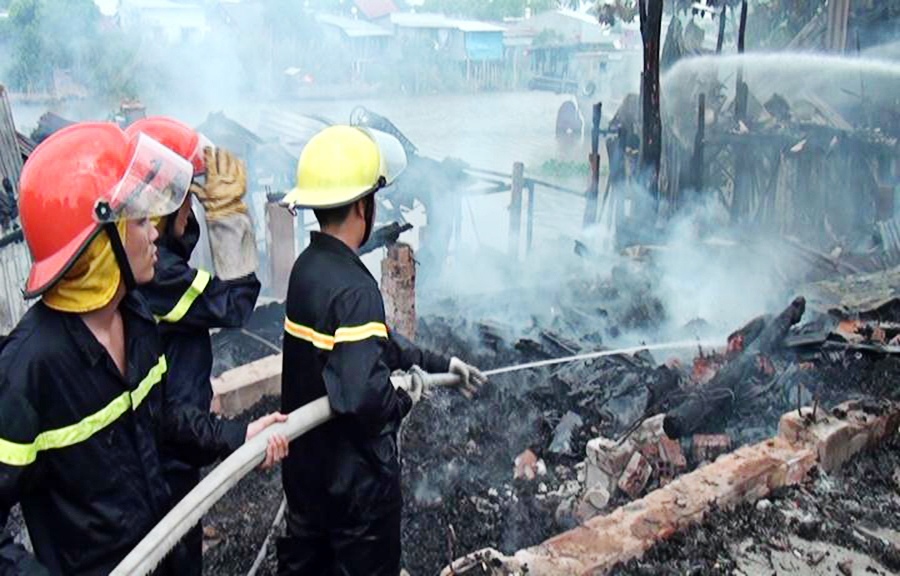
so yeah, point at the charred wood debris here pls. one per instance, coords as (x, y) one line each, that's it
(541, 451)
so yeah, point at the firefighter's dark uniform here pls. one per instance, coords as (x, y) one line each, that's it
(188, 303)
(342, 480)
(79, 442)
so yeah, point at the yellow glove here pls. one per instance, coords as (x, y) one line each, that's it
(226, 183)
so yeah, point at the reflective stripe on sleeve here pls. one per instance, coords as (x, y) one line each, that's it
(187, 299)
(16, 454)
(358, 333)
(343, 334)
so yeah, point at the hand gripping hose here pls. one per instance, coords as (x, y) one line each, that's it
(165, 535)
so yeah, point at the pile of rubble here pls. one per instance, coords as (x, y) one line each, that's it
(841, 524)
(542, 451)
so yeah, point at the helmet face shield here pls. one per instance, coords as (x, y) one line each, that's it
(198, 156)
(155, 184)
(393, 156)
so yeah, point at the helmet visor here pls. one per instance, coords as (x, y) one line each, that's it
(155, 184)
(393, 156)
(198, 157)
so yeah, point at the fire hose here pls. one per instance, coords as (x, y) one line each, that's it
(166, 534)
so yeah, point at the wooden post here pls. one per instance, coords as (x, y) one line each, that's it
(740, 200)
(529, 233)
(741, 95)
(515, 208)
(280, 248)
(721, 39)
(838, 19)
(651, 134)
(698, 161)
(590, 210)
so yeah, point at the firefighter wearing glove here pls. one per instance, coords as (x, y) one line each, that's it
(83, 407)
(188, 302)
(342, 479)
(231, 237)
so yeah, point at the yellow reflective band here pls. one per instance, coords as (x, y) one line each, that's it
(184, 303)
(344, 334)
(321, 341)
(358, 333)
(153, 377)
(15, 454)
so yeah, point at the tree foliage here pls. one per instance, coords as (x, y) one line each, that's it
(46, 36)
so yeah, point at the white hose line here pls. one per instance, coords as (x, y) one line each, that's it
(683, 345)
(187, 513)
(165, 535)
(263, 550)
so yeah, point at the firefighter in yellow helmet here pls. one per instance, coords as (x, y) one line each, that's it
(342, 480)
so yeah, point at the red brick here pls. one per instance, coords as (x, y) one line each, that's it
(526, 465)
(671, 459)
(750, 473)
(634, 479)
(398, 287)
(708, 447)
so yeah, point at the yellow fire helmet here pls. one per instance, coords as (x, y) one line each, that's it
(342, 164)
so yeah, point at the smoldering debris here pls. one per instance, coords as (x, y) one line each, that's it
(540, 451)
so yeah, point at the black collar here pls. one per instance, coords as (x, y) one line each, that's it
(322, 241)
(138, 323)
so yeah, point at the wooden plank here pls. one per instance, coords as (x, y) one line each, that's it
(590, 211)
(280, 248)
(515, 208)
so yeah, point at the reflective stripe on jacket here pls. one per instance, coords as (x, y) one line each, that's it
(79, 442)
(336, 343)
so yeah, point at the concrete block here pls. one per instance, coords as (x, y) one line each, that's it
(837, 436)
(240, 388)
(609, 456)
(598, 496)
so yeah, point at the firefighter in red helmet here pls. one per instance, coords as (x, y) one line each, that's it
(82, 376)
(188, 301)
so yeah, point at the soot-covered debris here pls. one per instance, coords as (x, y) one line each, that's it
(458, 456)
(848, 522)
(237, 525)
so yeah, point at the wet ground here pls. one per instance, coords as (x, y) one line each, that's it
(237, 525)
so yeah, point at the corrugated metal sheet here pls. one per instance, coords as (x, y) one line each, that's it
(889, 234)
(26, 145)
(353, 28)
(15, 261)
(10, 156)
(433, 20)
